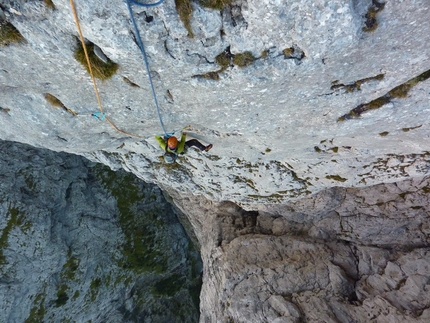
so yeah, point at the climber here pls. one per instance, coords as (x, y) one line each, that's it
(172, 147)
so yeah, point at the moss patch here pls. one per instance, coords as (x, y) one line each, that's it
(383, 134)
(215, 4)
(185, 10)
(371, 23)
(336, 178)
(411, 128)
(243, 59)
(62, 297)
(168, 286)
(101, 70)
(16, 219)
(54, 101)
(293, 52)
(288, 52)
(9, 34)
(4, 110)
(95, 287)
(127, 80)
(265, 54)
(400, 91)
(69, 268)
(49, 4)
(141, 245)
(37, 312)
(214, 76)
(355, 86)
(225, 60)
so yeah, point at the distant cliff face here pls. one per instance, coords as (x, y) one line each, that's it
(81, 243)
(342, 255)
(299, 98)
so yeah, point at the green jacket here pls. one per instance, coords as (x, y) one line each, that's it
(179, 149)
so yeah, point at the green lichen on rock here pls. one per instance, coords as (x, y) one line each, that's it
(264, 54)
(38, 311)
(141, 245)
(54, 101)
(411, 128)
(226, 59)
(243, 59)
(100, 69)
(355, 86)
(70, 267)
(168, 286)
(334, 149)
(49, 4)
(185, 11)
(383, 134)
(16, 220)
(62, 296)
(214, 76)
(288, 52)
(336, 178)
(400, 91)
(215, 4)
(371, 23)
(94, 288)
(129, 82)
(9, 34)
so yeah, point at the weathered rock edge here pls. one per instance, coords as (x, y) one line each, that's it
(342, 255)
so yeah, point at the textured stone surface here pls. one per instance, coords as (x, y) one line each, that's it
(273, 124)
(333, 217)
(343, 255)
(76, 245)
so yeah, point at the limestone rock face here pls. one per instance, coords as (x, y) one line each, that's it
(343, 255)
(81, 243)
(312, 204)
(319, 106)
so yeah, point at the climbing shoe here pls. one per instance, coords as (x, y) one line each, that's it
(208, 147)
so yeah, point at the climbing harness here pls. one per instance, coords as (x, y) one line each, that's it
(169, 157)
(99, 115)
(142, 50)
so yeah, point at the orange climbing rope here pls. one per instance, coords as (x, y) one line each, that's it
(81, 36)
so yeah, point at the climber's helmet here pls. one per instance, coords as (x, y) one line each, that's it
(172, 143)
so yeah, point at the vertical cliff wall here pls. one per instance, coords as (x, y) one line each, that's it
(81, 243)
(312, 203)
(307, 95)
(342, 255)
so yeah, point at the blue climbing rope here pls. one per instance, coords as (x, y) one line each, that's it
(142, 50)
(147, 4)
